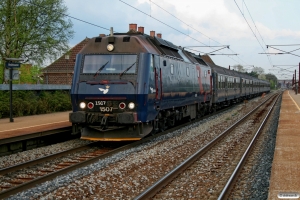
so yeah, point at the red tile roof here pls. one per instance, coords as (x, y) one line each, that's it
(63, 64)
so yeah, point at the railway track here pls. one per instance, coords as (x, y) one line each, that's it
(204, 174)
(26, 175)
(244, 170)
(7, 192)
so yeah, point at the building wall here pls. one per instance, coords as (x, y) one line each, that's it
(58, 78)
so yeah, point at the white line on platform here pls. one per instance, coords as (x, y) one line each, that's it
(293, 100)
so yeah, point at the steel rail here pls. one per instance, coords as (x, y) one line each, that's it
(32, 183)
(42, 159)
(157, 186)
(225, 192)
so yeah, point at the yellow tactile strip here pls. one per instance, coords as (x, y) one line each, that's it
(285, 174)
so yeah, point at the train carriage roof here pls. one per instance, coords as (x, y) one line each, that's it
(225, 71)
(222, 70)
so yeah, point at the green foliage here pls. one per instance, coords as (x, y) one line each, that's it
(252, 73)
(36, 30)
(32, 103)
(272, 79)
(272, 84)
(30, 74)
(1, 72)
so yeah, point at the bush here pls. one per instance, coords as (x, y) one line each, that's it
(31, 103)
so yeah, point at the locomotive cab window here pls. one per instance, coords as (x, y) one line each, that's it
(188, 71)
(109, 64)
(198, 73)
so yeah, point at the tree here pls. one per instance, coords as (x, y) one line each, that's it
(272, 79)
(30, 74)
(258, 70)
(254, 74)
(262, 76)
(36, 30)
(238, 68)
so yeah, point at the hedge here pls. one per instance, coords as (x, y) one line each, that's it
(33, 103)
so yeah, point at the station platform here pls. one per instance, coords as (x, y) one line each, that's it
(23, 127)
(285, 173)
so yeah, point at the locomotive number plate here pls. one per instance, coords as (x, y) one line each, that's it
(106, 109)
(100, 103)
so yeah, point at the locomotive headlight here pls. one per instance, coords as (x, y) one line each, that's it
(131, 105)
(82, 105)
(110, 47)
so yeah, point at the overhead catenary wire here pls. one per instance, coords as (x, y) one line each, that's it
(162, 22)
(228, 55)
(198, 32)
(71, 17)
(252, 29)
(154, 19)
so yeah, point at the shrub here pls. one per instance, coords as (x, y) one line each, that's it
(31, 102)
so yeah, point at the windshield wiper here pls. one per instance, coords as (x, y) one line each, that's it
(100, 69)
(128, 68)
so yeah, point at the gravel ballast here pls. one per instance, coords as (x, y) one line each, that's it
(126, 174)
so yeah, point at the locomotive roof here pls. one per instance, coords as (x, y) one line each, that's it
(130, 43)
(136, 42)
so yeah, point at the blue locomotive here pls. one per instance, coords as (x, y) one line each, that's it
(127, 85)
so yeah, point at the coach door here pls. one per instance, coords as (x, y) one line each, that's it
(158, 80)
(226, 87)
(235, 87)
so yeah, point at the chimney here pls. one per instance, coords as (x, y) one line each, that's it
(102, 35)
(152, 33)
(158, 35)
(132, 27)
(141, 29)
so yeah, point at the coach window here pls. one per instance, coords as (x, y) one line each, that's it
(172, 69)
(228, 82)
(222, 82)
(223, 78)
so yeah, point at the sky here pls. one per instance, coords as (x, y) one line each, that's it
(247, 26)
